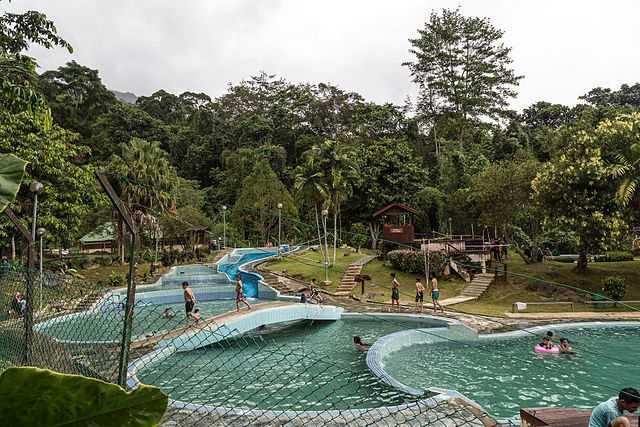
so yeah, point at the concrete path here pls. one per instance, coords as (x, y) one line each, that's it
(583, 315)
(472, 291)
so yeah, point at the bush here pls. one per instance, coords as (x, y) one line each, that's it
(80, 262)
(410, 261)
(116, 279)
(616, 256)
(614, 287)
(358, 236)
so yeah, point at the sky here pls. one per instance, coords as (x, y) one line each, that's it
(563, 48)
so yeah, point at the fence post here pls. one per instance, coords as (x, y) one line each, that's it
(505, 271)
(28, 314)
(131, 286)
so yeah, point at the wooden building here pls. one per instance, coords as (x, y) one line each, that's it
(397, 222)
(102, 239)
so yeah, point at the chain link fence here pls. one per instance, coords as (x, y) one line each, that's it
(303, 373)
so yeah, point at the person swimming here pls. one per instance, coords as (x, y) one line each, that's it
(359, 345)
(565, 346)
(168, 313)
(546, 343)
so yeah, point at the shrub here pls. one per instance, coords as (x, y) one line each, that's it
(413, 261)
(358, 236)
(614, 287)
(616, 256)
(116, 279)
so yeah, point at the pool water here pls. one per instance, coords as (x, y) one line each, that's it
(106, 324)
(505, 375)
(305, 366)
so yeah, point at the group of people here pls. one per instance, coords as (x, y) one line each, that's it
(190, 301)
(547, 343)
(312, 294)
(611, 412)
(18, 305)
(420, 290)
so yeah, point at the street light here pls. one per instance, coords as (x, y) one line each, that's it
(279, 227)
(325, 213)
(224, 225)
(35, 187)
(41, 232)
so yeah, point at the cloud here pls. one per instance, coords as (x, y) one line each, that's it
(562, 48)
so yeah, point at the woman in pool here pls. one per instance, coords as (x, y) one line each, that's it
(240, 298)
(359, 345)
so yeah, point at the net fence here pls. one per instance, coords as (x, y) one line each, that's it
(304, 372)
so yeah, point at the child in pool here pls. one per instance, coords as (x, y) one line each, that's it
(196, 315)
(546, 343)
(565, 347)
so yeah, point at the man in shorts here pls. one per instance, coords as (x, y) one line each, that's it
(395, 292)
(419, 295)
(435, 293)
(610, 413)
(189, 299)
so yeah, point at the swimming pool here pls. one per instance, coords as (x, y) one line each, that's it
(105, 325)
(503, 375)
(302, 366)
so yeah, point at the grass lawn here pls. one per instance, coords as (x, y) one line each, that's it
(380, 274)
(500, 297)
(307, 265)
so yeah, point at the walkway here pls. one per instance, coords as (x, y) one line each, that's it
(231, 324)
(583, 315)
(348, 281)
(472, 291)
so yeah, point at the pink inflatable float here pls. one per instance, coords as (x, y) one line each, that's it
(553, 350)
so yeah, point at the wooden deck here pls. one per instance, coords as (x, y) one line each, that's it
(559, 417)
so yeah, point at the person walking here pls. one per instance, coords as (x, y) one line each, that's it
(240, 298)
(611, 412)
(419, 295)
(395, 292)
(435, 293)
(189, 299)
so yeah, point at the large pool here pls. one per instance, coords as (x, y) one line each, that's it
(106, 324)
(505, 375)
(303, 366)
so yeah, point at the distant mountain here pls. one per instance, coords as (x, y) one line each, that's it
(128, 97)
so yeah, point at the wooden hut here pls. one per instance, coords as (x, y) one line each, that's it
(397, 222)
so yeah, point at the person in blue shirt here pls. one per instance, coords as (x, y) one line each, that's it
(610, 413)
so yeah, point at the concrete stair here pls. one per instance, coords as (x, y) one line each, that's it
(472, 291)
(275, 282)
(348, 280)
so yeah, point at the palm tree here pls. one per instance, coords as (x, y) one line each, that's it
(147, 182)
(627, 169)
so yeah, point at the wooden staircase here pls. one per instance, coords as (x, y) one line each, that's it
(472, 291)
(348, 281)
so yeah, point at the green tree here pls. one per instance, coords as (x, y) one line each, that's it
(621, 139)
(76, 96)
(430, 203)
(256, 209)
(462, 69)
(576, 193)
(502, 193)
(604, 97)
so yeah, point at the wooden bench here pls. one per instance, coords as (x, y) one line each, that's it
(514, 307)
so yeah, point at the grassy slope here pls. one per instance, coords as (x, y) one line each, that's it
(499, 298)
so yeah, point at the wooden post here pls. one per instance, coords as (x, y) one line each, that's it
(505, 271)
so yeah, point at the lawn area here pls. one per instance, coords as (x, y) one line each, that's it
(381, 282)
(307, 265)
(535, 287)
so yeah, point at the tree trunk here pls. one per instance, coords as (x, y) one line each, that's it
(121, 241)
(13, 248)
(582, 260)
(319, 235)
(374, 230)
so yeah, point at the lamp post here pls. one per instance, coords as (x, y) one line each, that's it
(325, 213)
(224, 226)
(35, 187)
(279, 227)
(450, 235)
(41, 232)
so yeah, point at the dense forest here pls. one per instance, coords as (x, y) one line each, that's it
(565, 178)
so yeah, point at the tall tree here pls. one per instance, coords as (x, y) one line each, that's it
(462, 69)
(621, 138)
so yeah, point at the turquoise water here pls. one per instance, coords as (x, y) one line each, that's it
(306, 366)
(504, 375)
(106, 325)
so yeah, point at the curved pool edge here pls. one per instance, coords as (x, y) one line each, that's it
(398, 340)
(430, 402)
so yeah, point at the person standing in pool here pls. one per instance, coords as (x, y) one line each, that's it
(435, 293)
(189, 299)
(611, 412)
(419, 295)
(240, 298)
(395, 292)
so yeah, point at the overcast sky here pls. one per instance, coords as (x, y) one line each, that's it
(563, 48)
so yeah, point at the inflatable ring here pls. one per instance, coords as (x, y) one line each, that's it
(553, 350)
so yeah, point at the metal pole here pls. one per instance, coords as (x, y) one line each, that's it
(128, 317)
(35, 216)
(224, 226)
(326, 258)
(279, 229)
(41, 279)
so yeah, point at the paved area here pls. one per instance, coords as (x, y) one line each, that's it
(584, 315)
